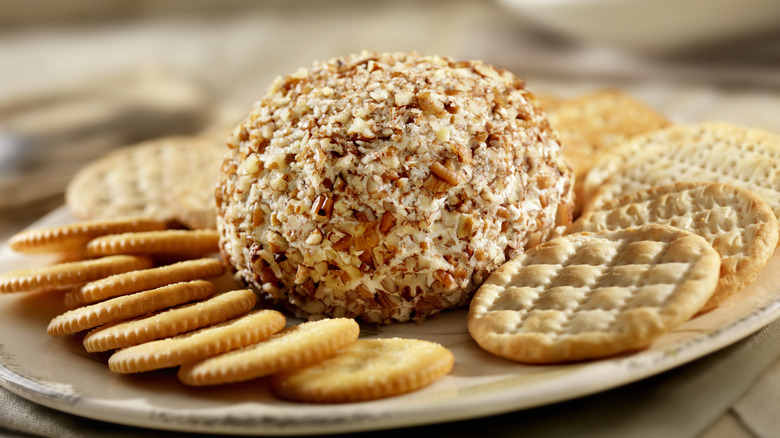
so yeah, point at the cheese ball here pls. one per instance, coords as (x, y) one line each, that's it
(387, 187)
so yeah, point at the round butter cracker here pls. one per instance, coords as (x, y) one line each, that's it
(171, 322)
(129, 306)
(293, 347)
(368, 369)
(70, 274)
(189, 347)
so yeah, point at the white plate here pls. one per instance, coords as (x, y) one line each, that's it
(59, 374)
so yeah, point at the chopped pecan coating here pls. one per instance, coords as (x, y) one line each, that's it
(387, 186)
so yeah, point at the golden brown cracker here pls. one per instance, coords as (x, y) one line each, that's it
(136, 281)
(189, 347)
(193, 243)
(129, 306)
(71, 274)
(593, 124)
(368, 369)
(171, 322)
(293, 347)
(74, 237)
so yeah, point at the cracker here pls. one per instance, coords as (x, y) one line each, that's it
(584, 295)
(71, 274)
(142, 180)
(548, 102)
(293, 347)
(718, 152)
(736, 222)
(194, 203)
(368, 369)
(211, 341)
(129, 306)
(167, 242)
(593, 124)
(171, 322)
(74, 237)
(137, 281)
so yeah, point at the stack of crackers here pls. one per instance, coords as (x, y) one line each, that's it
(673, 221)
(143, 291)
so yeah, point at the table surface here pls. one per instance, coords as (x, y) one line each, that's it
(119, 80)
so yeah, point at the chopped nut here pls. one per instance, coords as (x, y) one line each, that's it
(344, 243)
(360, 216)
(385, 202)
(276, 242)
(379, 95)
(403, 98)
(301, 275)
(267, 275)
(445, 174)
(369, 238)
(563, 215)
(463, 153)
(384, 300)
(353, 272)
(465, 226)
(436, 185)
(446, 279)
(257, 216)
(429, 103)
(321, 268)
(322, 206)
(252, 164)
(387, 222)
(315, 238)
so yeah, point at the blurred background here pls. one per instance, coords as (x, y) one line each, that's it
(80, 77)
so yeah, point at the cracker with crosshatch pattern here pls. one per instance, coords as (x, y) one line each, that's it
(169, 179)
(736, 222)
(711, 151)
(584, 296)
(593, 124)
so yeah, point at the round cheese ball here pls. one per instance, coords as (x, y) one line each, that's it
(387, 187)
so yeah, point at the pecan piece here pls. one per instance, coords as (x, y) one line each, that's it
(322, 206)
(387, 222)
(344, 243)
(446, 279)
(445, 174)
(369, 239)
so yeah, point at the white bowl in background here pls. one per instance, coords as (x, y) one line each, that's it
(657, 26)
